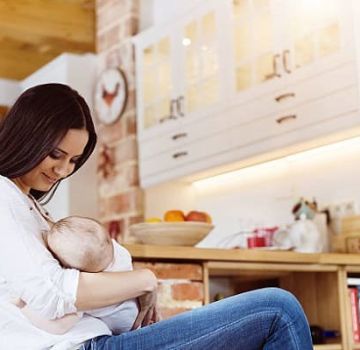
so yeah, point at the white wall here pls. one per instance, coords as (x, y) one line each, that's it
(78, 194)
(9, 91)
(265, 194)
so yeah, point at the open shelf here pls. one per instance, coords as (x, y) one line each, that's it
(328, 347)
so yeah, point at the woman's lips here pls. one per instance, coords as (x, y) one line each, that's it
(50, 179)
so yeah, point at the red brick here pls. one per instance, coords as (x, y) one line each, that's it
(120, 226)
(112, 133)
(125, 202)
(131, 101)
(126, 150)
(131, 26)
(173, 271)
(113, 36)
(167, 312)
(133, 175)
(188, 291)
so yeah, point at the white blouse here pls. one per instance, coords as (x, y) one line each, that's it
(29, 271)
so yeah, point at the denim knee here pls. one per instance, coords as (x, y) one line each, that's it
(284, 301)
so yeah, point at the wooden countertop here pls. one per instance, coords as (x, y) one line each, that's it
(153, 252)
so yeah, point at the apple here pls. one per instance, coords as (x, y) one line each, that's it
(197, 216)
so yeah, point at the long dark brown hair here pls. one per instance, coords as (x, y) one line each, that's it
(36, 123)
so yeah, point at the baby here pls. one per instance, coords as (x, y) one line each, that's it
(83, 243)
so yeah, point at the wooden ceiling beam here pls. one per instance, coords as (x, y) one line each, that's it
(33, 32)
(55, 18)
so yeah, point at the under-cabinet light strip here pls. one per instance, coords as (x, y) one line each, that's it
(261, 167)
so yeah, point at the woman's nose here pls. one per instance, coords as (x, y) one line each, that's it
(63, 169)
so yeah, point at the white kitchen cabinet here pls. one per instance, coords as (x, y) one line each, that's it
(239, 78)
(179, 70)
(276, 43)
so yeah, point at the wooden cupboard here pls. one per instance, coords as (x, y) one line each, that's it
(319, 281)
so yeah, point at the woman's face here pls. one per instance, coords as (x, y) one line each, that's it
(57, 165)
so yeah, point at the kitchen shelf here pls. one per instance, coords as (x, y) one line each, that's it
(328, 347)
(144, 251)
(323, 274)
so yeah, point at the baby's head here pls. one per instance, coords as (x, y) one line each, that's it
(80, 243)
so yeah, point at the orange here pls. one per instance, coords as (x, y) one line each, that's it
(174, 215)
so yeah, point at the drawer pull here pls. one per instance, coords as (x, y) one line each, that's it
(284, 96)
(169, 117)
(286, 118)
(179, 136)
(179, 154)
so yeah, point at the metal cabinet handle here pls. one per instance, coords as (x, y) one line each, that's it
(285, 59)
(172, 115)
(173, 107)
(275, 73)
(180, 154)
(284, 96)
(286, 118)
(180, 104)
(179, 136)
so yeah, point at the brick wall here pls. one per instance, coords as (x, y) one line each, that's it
(120, 197)
(181, 286)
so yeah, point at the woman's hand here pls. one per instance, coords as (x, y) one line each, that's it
(148, 313)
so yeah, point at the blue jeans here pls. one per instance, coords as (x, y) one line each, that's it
(268, 318)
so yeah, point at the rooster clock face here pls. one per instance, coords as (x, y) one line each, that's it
(110, 95)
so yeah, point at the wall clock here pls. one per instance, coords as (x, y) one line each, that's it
(111, 93)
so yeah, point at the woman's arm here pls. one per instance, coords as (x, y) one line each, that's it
(106, 288)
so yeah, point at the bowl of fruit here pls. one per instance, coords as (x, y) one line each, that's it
(175, 228)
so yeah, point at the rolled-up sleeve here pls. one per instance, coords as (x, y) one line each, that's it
(29, 269)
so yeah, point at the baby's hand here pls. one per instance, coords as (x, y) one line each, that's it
(148, 312)
(18, 302)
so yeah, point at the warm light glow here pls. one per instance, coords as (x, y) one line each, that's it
(266, 168)
(186, 42)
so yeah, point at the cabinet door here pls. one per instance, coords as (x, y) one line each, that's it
(200, 69)
(254, 56)
(317, 36)
(155, 81)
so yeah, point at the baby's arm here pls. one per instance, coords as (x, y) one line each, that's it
(58, 326)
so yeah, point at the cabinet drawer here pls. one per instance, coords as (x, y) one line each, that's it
(183, 155)
(184, 135)
(295, 94)
(296, 118)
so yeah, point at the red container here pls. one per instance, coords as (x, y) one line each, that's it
(256, 241)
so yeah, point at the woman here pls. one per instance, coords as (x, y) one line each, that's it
(47, 136)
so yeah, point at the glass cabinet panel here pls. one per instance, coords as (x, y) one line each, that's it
(201, 56)
(157, 81)
(253, 42)
(315, 30)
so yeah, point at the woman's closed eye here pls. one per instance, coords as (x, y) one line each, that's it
(58, 154)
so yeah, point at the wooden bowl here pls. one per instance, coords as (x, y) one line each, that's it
(171, 233)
